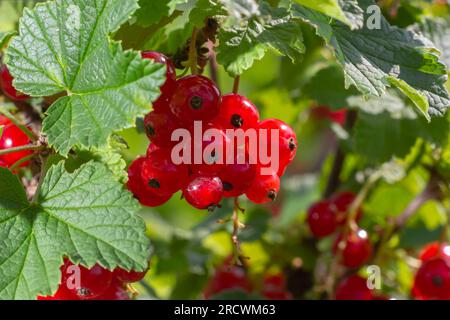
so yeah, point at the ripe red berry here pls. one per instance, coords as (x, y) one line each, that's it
(228, 278)
(13, 137)
(203, 192)
(161, 176)
(356, 248)
(162, 103)
(116, 291)
(91, 283)
(151, 147)
(236, 112)
(342, 202)
(195, 98)
(287, 141)
(322, 219)
(435, 250)
(6, 83)
(139, 188)
(433, 279)
(159, 127)
(237, 178)
(61, 294)
(264, 188)
(274, 288)
(353, 288)
(128, 276)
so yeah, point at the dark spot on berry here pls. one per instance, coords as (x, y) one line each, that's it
(153, 183)
(150, 131)
(438, 281)
(237, 121)
(292, 144)
(83, 292)
(196, 102)
(227, 186)
(272, 195)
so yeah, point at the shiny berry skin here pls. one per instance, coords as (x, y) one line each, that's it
(13, 137)
(161, 176)
(228, 278)
(264, 188)
(357, 248)
(6, 81)
(125, 276)
(93, 282)
(433, 279)
(4, 120)
(159, 127)
(237, 178)
(139, 189)
(162, 103)
(116, 291)
(435, 250)
(195, 98)
(322, 219)
(236, 112)
(342, 202)
(287, 141)
(203, 192)
(61, 294)
(353, 288)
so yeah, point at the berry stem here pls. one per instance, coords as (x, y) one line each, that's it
(193, 52)
(236, 83)
(237, 257)
(213, 67)
(21, 148)
(17, 123)
(19, 162)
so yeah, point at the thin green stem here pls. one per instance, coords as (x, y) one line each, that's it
(193, 52)
(25, 130)
(236, 83)
(30, 147)
(20, 162)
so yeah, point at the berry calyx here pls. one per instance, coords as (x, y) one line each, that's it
(237, 178)
(159, 127)
(6, 83)
(92, 282)
(203, 192)
(356, 249)
(237, 112)
(195, 98)
(161, 176)
(264, 188)
(322, 219)
(353, 288)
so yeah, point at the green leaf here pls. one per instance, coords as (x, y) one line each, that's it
(378, 58)
(241, 8)
(106, 87)
(4, 38)
(347, 11)
(152, 12)
(85, 215)
(204, 9)
(239, 46)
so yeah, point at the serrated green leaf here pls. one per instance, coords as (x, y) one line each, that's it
(85, 215)
(239, 46)
(152, 12)
(106, 87)
(204, 9)
(373, 58)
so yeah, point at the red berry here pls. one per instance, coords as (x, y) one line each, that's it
(342, 202)
(151, 147)
(195, 98)
(433, 279)
(228, 278)
(353, 288)
(274, 288)
(61, 294)
(128, 276)
(203, 192)
(139, 189)
(237, 178)
(162, 103)
(435, 250)
(287, 141)
(116, 291)
(237, 112)
(6, 83)
(12, 137)
(159, 127)
(357, 248)
(92, 282)
(322, 219)
(4, 120)
(264, 188)
(161, 176)
(324, 112)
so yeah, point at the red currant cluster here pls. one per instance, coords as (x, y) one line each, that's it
(232, 277)
(12, 137)
(326, 216)
(97, 283)
(193, 99)
(432, 281)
